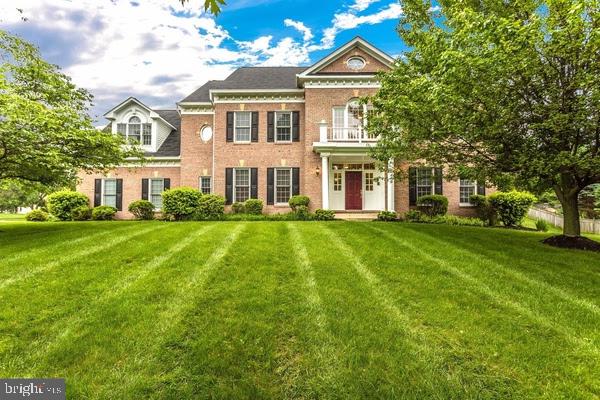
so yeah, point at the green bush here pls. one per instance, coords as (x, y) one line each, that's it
(103, 213)
(453, 220)
(511, 206)
(485, 210)
(324, 215)
(413, 216)
(302, 213)
(253, 206)
(387, 216)
(211, 206)
(238, 208)
(298, 200)
(61, 204)
(37, 216)
(181, 203)
(81, 213)
(433, 205)
(541, 225)
(142, 209)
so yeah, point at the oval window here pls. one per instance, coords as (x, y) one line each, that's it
(356, 63)
(206, 133)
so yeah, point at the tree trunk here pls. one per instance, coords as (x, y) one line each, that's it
(568, 194)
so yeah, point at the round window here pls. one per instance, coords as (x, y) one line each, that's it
(356, 63)
(206, 133)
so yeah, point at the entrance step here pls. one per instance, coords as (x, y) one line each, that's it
(356, 215)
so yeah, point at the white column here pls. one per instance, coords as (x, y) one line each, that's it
(323, 131)
(325, 180)
(390, 183)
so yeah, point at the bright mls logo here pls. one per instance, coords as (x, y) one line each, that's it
(34, 389)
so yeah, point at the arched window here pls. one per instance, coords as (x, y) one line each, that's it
(135, 129)
(135, 132)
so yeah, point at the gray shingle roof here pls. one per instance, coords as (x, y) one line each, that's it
(172, 144)
(250, 78)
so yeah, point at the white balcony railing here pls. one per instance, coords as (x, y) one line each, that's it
(350, 135)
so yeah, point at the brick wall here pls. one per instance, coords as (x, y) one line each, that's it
(339, 65)
(196, 155)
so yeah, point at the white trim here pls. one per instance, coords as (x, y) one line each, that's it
(246, 100)
(102, 191)
(153, 114)
(235, 113)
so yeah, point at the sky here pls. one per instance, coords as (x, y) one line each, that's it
(160, 51)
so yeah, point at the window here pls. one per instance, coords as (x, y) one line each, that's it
(356, 63)
(122, 130)
(205, 184)
(134, 130)
(467, 189)
(283, 126)
(147, 134)
(337, 181)
(369, 179)
(338, 122)
(283, 185)
(109, 192)
(157, 186)
(241, 183)
(349, 120)
(242, 123)
(425, 182)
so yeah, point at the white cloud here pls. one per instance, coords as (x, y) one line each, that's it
(361, 5)
(301, 28)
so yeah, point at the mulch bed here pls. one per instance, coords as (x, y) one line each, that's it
(570, 242)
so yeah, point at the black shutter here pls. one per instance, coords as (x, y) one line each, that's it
(438, 181)
(228, 185)
(296, 126)
(270, 186)
(254, 183)
(230, 126)
(412, 186)
(144, 189)
(270, 126)
(295, 181)
(255, 126)
(119, 194)
(481, 188)
(166, 184)
(97, 192)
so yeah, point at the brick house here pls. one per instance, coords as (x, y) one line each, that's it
(269, 133)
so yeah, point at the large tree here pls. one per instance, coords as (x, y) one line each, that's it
(499, 89)
(46, 134)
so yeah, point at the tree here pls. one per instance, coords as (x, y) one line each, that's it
(46, 135)
(15, 194)
(499, 90)
(213, 5)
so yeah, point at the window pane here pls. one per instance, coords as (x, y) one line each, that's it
(284, 119)
(283, 125)
(134, 120)
(134, 133)
(369, 179)
(337, 181)
(205, 185)
(242, 185)
(424, 176)
(467, 189)
(283, 184)
(122, 129)
(110, 186)
(157, 186)
(147, 134)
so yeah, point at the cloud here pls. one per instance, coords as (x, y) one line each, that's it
(301, 28)
(361, 5)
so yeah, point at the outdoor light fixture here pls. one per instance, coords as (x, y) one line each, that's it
(318, 170)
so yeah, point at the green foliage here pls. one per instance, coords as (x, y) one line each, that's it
(302, 213)
(103, 213)
(413, 216)
(298, 200)
(238, 208)
(61, 204)
(142, 209)
(181, 203)
(541, 225)
(37, 216)
(416, 216)
(47, 135)
(485, 211)
(253, 206)
(81, 213)
(15, 193)
(210, 207)
(511, 206)
(324, 215)
(387, 216)
(433, 205)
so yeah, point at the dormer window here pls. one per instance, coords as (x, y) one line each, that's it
(135, 132)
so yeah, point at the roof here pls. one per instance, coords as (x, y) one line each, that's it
(172, 144)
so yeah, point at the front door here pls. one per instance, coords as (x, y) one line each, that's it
(353, 190)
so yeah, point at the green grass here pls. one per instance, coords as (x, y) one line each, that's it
(5, 217)
(135, 310)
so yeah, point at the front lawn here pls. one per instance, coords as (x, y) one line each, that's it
(134, 310)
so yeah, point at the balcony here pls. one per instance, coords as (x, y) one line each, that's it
(348, 138)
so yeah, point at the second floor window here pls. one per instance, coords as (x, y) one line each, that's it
(243, 124)
(283, 126)
(135, 132)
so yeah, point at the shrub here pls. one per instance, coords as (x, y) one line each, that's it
(302, 213)
(210, 206)
(485, 210)
(61, 204)
(453, 220)
(433, 205)
(541, 225)
(298, 200)
(324, 215)
(81, 213)
(238, 208)
(387, 216)
(253, 206)
(413, 216)
(181, 203)
(142, 209)
(103, 213)
(37, 216)
(511, 206)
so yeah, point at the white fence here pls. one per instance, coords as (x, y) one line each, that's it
(587, 225)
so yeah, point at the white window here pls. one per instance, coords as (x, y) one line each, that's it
(356, 63)
(157, 186)
(425, 182)
(467, 189)
(337, 181)
(243, 125)
(283, 185)
(338, 122)
(283, 126)
(135, 132)
(241, 183)
(109, 192)
(349, 120)
(369, 181)
(147, 134)
(122, 130)
(205, 185)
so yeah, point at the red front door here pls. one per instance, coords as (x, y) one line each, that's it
(354, 190)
